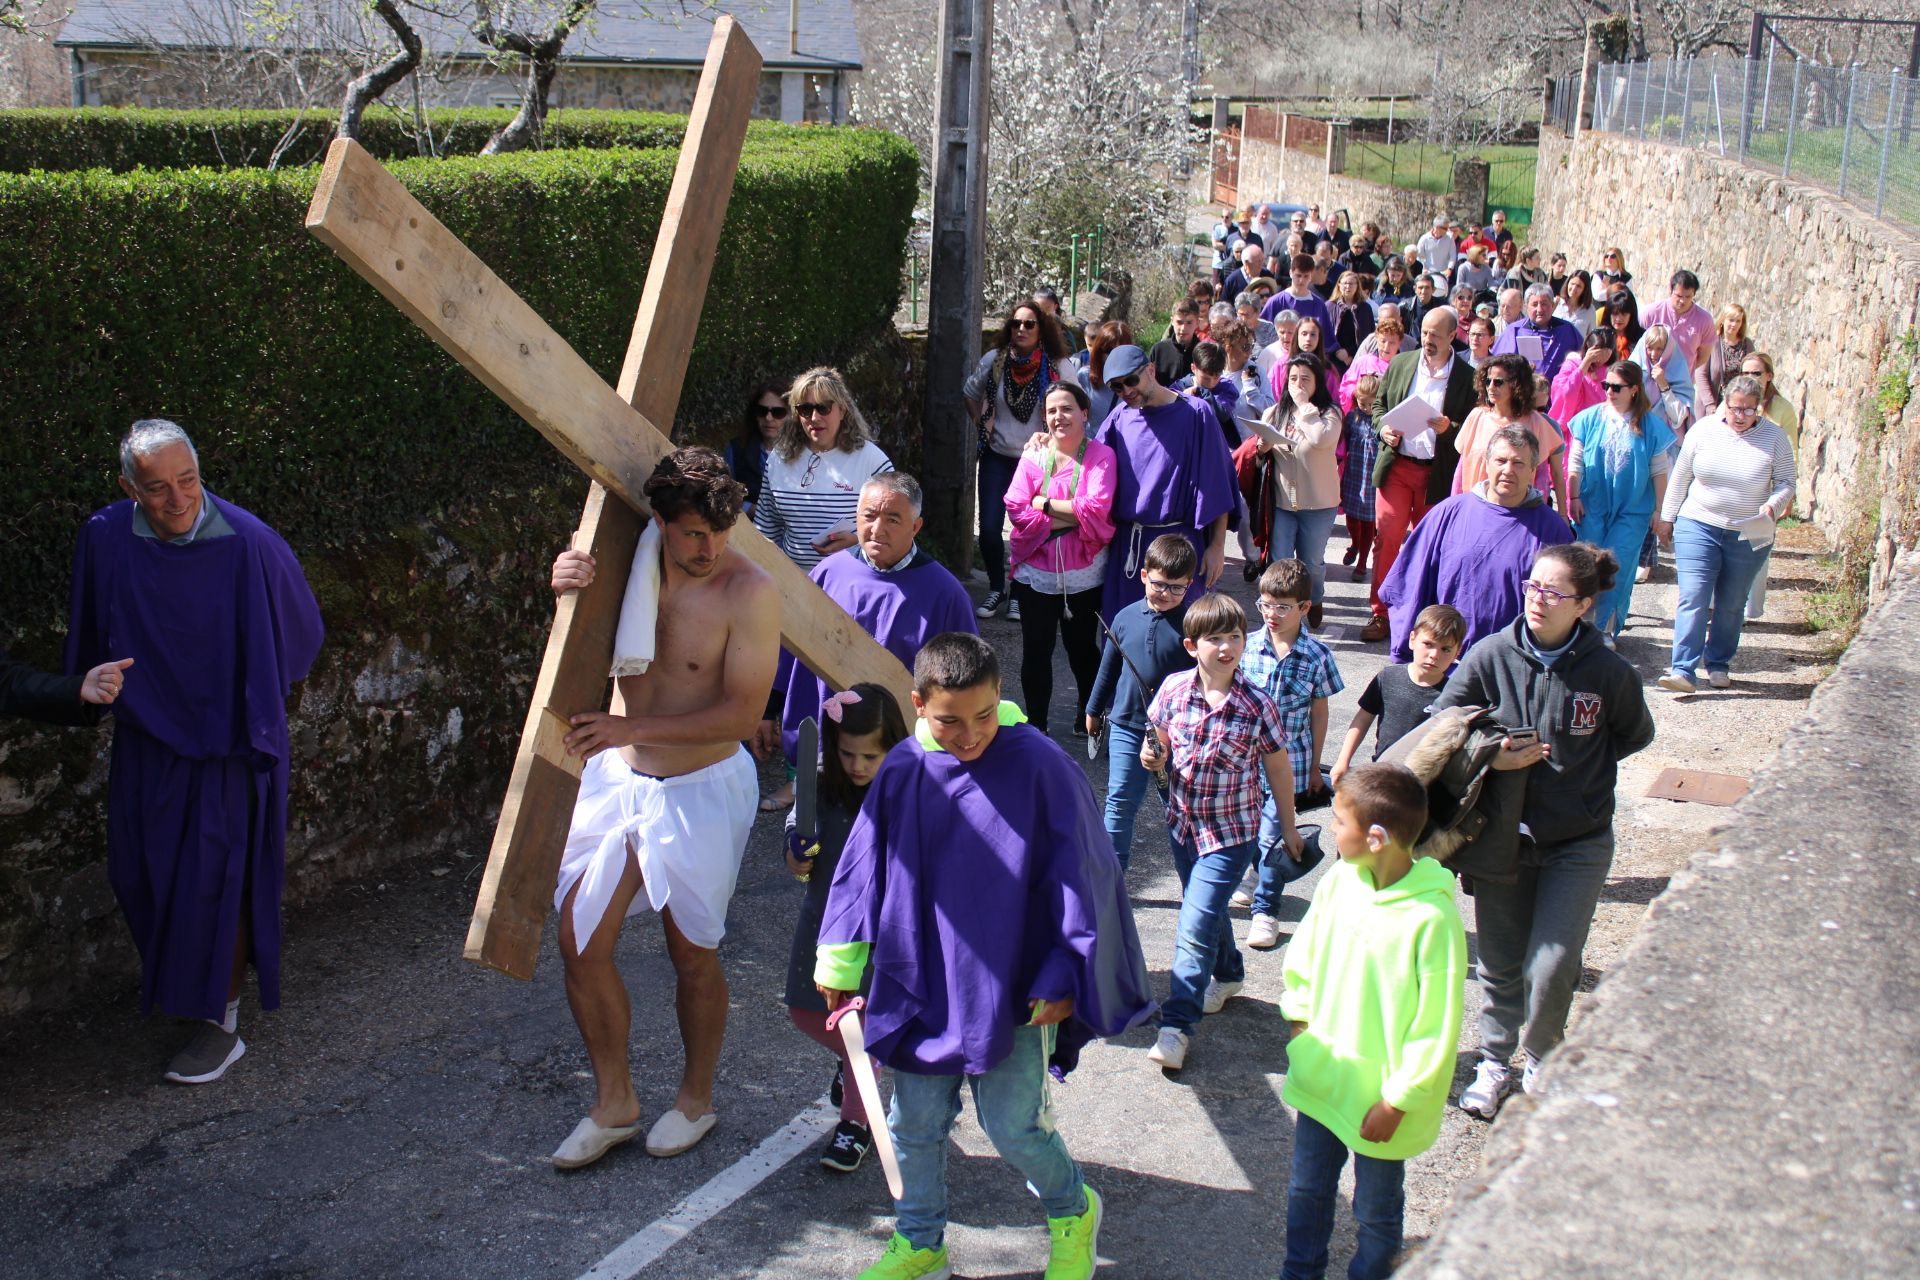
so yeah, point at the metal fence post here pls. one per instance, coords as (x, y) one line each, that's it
(1686, 104)
(1073, 269)
(1389, 123)
(1746, 105)
(1846, 130)
(1886, 144)
(1793, 110)
(1646, 91)
(1766, 93)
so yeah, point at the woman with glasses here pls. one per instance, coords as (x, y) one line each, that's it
(1003, 396)
(1780, 411)
(825, 452)
(1733, 481)
(1572, 710)
(1505, 384)
(752, 445)
(1621, 460)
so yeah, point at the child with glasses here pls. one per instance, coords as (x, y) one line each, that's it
(1144, 646)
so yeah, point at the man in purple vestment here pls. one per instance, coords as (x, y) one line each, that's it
(899, 595)
(211, 605)
(1558, 338)
(1173, 474)
(1474, 550)
(979, 887)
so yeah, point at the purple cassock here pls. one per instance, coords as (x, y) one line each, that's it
(982, 887)
(219, 628)
(1173, 474)
(902, 608)
(1472, 554)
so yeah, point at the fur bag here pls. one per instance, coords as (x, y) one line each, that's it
(1473, 812)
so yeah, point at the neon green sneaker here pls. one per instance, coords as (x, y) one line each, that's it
(1075, 1241)
(902, 1261)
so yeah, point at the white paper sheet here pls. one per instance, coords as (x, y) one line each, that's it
(1528, 344)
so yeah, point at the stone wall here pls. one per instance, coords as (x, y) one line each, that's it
(1829, 292)
(1269, 171)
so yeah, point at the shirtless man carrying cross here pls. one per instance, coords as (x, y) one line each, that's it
(668, 812)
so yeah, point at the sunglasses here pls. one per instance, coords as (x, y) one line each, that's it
(1026, 324)
(1618, 386)
(1124, 384)
(777, 412)
(1499, 382)
(807, 409)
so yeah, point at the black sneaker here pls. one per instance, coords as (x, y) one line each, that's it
(837, 1091)
(848, 1147)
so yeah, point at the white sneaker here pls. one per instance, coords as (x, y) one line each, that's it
(1264, 935)
(1674, 682)
(1530, 1076)
(1169, 1052)
(1492, 1082)
(1013, 610)
(1642, 573)
(1719, 679)
(1243, 896)
(1218, 993)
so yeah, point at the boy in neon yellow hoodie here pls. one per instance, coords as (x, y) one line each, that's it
(1373, 993)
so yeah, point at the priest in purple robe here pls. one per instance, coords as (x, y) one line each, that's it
(1473, 550)
(1173, 474)
(899, 595)
(980, 890)
(213, 608)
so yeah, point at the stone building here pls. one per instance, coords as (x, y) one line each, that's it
(628, 56)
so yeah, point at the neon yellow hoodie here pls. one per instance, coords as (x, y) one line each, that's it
(1376, 975)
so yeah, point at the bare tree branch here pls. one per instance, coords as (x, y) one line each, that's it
(368, 86)
(541, 50)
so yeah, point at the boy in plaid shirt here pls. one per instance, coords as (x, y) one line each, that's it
(1296, 670)
(1215, 733)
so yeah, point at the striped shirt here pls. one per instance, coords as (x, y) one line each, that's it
(1214, 759)
(803, 499)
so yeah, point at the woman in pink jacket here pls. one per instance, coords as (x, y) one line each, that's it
(1580, 382)
(1061, 506)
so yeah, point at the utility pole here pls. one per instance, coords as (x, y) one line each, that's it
(949, 440)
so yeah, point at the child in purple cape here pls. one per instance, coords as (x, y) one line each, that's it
(979, 886)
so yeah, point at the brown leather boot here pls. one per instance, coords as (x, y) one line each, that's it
(1375, 630)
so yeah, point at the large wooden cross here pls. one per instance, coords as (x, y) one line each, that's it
(364, 214)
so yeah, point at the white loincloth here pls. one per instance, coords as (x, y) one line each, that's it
(687, 835)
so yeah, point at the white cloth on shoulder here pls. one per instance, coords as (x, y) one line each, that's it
(687, 833)
(634, 639)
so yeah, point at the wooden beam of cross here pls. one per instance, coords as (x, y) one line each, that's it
(369, 218)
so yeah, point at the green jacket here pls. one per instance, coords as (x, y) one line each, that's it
(1457, 402)
(1377, 977)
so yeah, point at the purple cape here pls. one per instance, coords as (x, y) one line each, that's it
(983, 886)
(219, 629)
(1472, 554)
(1173, 474)
(902, 610)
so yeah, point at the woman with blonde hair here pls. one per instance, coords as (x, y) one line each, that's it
(1779, 410)
(1350, 317)
(824, 453)
(1731, 345)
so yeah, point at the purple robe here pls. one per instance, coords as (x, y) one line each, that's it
(902, 610)
(219, 629)
(1560, 339)
(1173, 473)
(981, 887)
(1472, 554)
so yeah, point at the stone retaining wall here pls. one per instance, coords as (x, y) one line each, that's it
(1828, 291)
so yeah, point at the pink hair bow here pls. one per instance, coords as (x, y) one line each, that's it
(833, 707)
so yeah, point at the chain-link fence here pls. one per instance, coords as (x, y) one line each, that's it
(1851, 129)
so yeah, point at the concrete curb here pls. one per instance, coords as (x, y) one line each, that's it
(1739, 1101)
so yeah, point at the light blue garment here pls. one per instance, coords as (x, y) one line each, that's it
(1303, 535)
(1013, 1105)
(1203, 943)
(1616, 488)
(1679, 380)
(1127, 782)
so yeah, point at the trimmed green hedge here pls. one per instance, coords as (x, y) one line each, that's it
(199, 295)
(123, 138)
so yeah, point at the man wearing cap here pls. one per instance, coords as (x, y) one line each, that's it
(1173, 474)
(1437, 250)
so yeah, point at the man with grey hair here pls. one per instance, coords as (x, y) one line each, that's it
(1556, 337)
(212, 607)
(900, 595)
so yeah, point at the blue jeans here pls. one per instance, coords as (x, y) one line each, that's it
(1267, 896)
(1203, 945)
(1716, 568)
(996, 477)
(1379, 1206)
(1014, 1106)
(1304, 534)
(1127, 782)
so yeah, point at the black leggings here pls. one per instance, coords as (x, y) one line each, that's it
(1041, 617)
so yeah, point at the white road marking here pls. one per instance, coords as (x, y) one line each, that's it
(645, 1246)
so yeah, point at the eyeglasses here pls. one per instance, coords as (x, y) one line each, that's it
(1741, 411)
(1124, 384)
(807, 409)
(777, 412)
(1278, 608)
(1161, 587)
(1545, 592)
(1619, 386)
(1026, 324)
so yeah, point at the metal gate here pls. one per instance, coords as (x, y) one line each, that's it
(1510, 186)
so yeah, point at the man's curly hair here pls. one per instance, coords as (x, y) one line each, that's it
(695, 480)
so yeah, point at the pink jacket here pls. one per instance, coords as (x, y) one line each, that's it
(1574, 390)
(1092, 506)
(1372, 362)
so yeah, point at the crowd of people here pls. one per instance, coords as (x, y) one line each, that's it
(1508, 445)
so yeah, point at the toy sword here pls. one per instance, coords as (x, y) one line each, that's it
(1160, 774)
(806, 786)
(847, 1019)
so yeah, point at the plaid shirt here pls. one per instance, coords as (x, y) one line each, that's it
(1293, 682)
(1213, 761)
